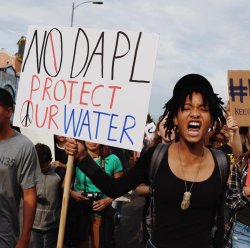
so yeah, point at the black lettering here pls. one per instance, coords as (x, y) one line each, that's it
(101, 39)
(38, 57)
(134, 62)
(56, 69)
(115, 56)
(74, 55)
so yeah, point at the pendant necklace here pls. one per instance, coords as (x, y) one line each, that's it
(187, 195)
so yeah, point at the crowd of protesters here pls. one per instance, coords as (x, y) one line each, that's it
(195, 204)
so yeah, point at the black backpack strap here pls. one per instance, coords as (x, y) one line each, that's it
(157, 157)
(222, 163)
(224, 173)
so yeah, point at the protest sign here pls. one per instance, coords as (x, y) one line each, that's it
(150, 131)
(87, 84)
(239, 96)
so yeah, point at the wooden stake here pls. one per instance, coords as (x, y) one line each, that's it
(65, 201)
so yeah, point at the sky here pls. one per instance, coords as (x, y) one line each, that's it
(206, 37)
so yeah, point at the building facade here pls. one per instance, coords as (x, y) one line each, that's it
(9, 80)
(10, 68)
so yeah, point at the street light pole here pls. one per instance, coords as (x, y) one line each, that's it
(76, 6)
(72, 14)
(70, 162)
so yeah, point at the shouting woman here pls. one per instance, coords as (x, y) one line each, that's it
(188, 189)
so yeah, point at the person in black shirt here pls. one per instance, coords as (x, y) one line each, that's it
(60, 156)
(188, 186)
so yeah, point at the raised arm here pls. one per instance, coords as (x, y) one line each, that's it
(235, 140)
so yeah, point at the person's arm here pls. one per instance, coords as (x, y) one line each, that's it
(103, 203)
(60, 171)
(108, 185)
(117, 187)
(29, 211)
(235, 139)
(58, 164)
(29, 175)
(142, 190)
(236, 144)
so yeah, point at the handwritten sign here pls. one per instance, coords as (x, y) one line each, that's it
(239, 96)
(150, 131)
(87, 84)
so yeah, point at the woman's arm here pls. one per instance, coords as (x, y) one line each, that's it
(142, 190)
(108, 185)
(235, 140)
(115, 187)
(103, 203)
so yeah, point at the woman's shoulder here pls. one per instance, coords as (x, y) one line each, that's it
(112, 157)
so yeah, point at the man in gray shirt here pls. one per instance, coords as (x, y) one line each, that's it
(18, 166)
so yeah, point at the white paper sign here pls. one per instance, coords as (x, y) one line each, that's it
(87, 84)
(150, 131)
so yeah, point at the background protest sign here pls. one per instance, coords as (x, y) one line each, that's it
(150, 131)
(87, 84)
(239, 96)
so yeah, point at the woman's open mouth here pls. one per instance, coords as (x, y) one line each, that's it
(194, 128)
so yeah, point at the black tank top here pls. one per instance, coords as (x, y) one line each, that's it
(185, 228)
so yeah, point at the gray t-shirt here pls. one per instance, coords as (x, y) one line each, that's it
(49, 201)
(18, 170)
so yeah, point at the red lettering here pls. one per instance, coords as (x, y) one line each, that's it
(84, 92)
(32, 85)
(64, 90)
(113, 95)
(39, 114)
(52, 115)
(46, 87)
(71, 89)
(93, 92)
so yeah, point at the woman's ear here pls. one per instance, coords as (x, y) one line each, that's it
(175, 121)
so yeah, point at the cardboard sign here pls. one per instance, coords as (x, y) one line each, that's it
(87, 84)
(239, 96)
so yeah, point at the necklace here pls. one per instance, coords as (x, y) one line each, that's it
(187, 194)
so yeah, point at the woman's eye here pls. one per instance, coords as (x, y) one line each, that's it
(204, 109)
(186, 107)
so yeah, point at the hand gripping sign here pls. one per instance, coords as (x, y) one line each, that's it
(86, 84)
